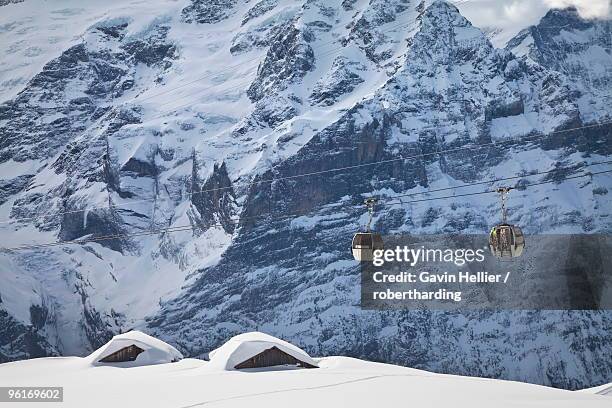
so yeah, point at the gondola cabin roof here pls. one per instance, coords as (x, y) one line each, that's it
(255, 350)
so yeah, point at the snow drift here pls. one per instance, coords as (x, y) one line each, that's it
(244, 346)
(154, 351)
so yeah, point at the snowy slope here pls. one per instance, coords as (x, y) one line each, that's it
(605, 389)
(340, 382)
(128, 113)
(33, 33)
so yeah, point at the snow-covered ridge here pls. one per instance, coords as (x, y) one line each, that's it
(579, 48)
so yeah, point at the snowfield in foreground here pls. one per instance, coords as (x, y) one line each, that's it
(101, 380)
(340, 381)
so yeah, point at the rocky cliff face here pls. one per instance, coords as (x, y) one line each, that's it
(178, 123)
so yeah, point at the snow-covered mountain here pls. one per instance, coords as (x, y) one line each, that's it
(578, 48)
(172, 115)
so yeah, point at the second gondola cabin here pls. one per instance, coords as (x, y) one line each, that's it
(506, 241)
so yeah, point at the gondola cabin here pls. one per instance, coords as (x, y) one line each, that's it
(506, 241)
(364, 245)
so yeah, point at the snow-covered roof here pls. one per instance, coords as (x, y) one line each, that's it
(244, 346)
(155, 350)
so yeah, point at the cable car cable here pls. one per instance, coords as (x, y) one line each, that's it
(6, 221)
(238, 221)
(495, 191)
(329, 170)
(495, 180)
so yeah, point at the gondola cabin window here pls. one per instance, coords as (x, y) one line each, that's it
(128, 353)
